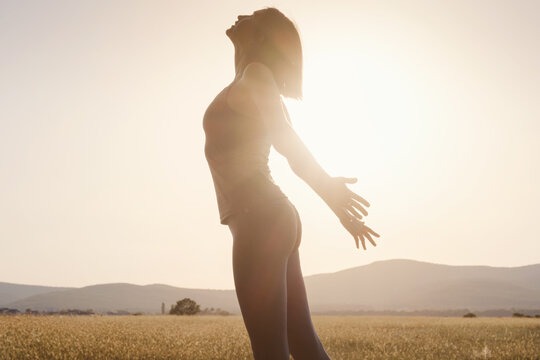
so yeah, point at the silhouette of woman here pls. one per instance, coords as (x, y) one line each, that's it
(242, 122)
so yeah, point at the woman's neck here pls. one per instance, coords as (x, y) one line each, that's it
(241, 60)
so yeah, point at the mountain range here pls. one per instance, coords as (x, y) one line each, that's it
(395, 285)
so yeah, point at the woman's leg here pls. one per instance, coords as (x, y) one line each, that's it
(262, 242)
(303, 341)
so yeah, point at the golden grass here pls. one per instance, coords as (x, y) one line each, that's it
(214, 337)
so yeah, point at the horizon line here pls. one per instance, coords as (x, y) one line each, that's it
(305, 276)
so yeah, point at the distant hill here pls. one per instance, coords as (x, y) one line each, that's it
(126, 297)
(384, 285)
(12, 292)
(414, 285)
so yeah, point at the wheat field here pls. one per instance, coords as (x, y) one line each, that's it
(215, 337)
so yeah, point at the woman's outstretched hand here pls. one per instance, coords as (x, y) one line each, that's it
(349, 207)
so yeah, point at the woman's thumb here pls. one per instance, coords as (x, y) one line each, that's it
(347, 180)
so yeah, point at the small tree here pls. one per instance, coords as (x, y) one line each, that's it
(185, 306)
(469, 315)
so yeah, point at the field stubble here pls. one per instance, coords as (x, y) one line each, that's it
(214, 337)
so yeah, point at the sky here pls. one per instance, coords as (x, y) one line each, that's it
(433, 106)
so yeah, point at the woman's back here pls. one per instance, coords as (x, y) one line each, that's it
(237, 148)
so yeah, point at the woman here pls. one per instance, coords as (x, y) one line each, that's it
(244, 120)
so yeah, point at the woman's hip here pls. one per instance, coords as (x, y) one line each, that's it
(274, 225)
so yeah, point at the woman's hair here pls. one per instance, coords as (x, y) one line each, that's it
(281, 50)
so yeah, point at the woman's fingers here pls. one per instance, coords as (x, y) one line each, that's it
(371, 231)
(356, 227)
(370, 239)
(354, 212)
(360, 236)
(359, 198)
(363, 241)
(363, 232)
(358, 206)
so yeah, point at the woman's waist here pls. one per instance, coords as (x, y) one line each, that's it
(250, 199)
(257, 186)
(262, 211)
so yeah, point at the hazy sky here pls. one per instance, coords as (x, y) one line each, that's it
(433, 105)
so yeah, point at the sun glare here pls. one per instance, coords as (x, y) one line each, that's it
(358, 111)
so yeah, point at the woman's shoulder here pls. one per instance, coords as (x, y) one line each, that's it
(258, 77)
(256, 84)
(258, 72)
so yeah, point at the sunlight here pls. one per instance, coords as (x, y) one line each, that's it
(356, 106)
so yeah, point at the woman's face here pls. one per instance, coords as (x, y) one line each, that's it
(242, 31)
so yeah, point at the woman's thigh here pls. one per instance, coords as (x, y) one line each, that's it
(303, 341)
(302, 338)
(262, 243)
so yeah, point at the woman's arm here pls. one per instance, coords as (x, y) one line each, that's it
(257, 94)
